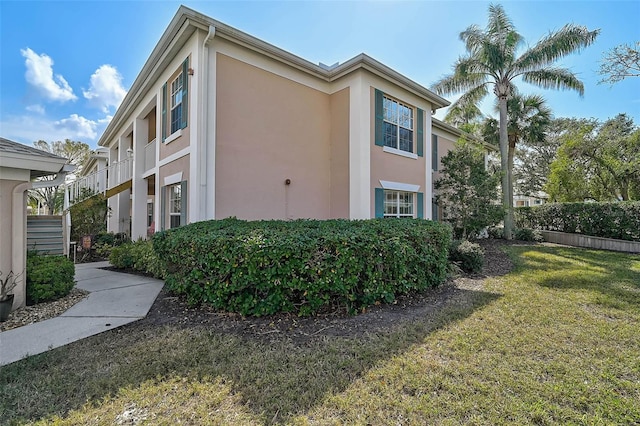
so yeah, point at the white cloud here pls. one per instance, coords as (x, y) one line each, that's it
(30, 128)
(40, 75)
(106, 88)
(78, 125)
(36, 108)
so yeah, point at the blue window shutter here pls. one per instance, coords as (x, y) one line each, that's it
(420, 132)
(163, 207)
(183, 202)
(379, 202)
(434, 152)
(185, 92)
(434, 209)
(379, 136)
(420, 201)
(164, 112)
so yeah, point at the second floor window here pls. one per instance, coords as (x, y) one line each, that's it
(398, 125)
(176, 103)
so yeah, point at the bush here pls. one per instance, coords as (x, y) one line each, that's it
(138, 256)
(264, 267)
(607, 220)
(469, 256)
(495, 232)
(48, 277)
(528, 234)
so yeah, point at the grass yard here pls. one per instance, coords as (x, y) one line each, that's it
(557, 341)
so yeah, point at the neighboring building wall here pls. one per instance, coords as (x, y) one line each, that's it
(12, 252)
(269, 129)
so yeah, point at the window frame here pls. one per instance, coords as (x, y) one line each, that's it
(172, 204)
(174, 93)
(398, 123)
(399, 204)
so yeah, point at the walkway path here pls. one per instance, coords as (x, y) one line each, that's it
(115, 299)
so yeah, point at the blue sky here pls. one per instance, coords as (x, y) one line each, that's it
(65, 66)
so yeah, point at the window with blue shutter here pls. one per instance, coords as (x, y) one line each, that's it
(164, 112)
(379, 200)
(420, 197)
(379, 128)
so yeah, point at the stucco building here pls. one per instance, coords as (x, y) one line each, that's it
(219, 123)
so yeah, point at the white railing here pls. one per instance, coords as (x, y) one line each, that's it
(100, 181)
(150, 155)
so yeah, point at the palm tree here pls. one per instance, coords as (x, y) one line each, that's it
(528, 119)
(492, 60)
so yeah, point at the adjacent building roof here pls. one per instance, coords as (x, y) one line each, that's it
(15, 155)
(186, 21)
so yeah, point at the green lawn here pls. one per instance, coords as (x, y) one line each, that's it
(555, 342)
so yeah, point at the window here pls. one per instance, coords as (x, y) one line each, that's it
(149, 213)
(398, 204)
(175, 205)
(176, 103)
(398, 125)
(175, 100)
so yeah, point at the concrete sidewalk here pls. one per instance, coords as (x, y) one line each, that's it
(115, 299)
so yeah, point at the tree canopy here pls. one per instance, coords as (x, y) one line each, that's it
(620, 62)
(76, 153)
(492, 62)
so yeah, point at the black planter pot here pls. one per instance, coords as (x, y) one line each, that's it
(5, 307)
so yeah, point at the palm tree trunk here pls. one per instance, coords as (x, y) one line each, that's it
(504, 165)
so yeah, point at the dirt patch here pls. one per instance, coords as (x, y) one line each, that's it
(173, 310)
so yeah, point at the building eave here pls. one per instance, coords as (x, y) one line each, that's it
(186, 21)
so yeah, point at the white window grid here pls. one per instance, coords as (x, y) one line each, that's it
(398, 125)
(398, 204)
(175, 205)
(176, 102)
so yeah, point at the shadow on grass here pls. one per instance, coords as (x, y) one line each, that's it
(274, 376)
(615, 276)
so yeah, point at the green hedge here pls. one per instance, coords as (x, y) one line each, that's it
(138, 256)
(607, 220)
(264, 267)
(48, 277)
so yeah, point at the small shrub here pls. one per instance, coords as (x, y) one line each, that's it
(138, 256)
(528, 234)
(264, 267)
(467, 255)
(495, 232)
(48, 277)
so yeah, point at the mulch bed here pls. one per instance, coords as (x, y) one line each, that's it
(173, 310)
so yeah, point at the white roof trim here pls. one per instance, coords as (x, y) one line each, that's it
(175, 178)
(399, 186)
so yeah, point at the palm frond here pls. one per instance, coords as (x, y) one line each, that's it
(554, 78)
(468, 73)
(467, 104)
(474, 38)
(569, 39)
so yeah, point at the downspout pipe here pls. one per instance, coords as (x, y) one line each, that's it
(204, 128)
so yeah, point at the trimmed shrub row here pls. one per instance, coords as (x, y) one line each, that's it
(607, 220)
(264, 267)
(48, 277)
(138, 256)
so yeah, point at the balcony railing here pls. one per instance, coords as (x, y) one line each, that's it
(100, 181)
(150, 155)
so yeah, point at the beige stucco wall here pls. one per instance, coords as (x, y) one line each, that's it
(340, 154)
(446, 142)
(12, 254)
(395, 168)
(269, 129)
